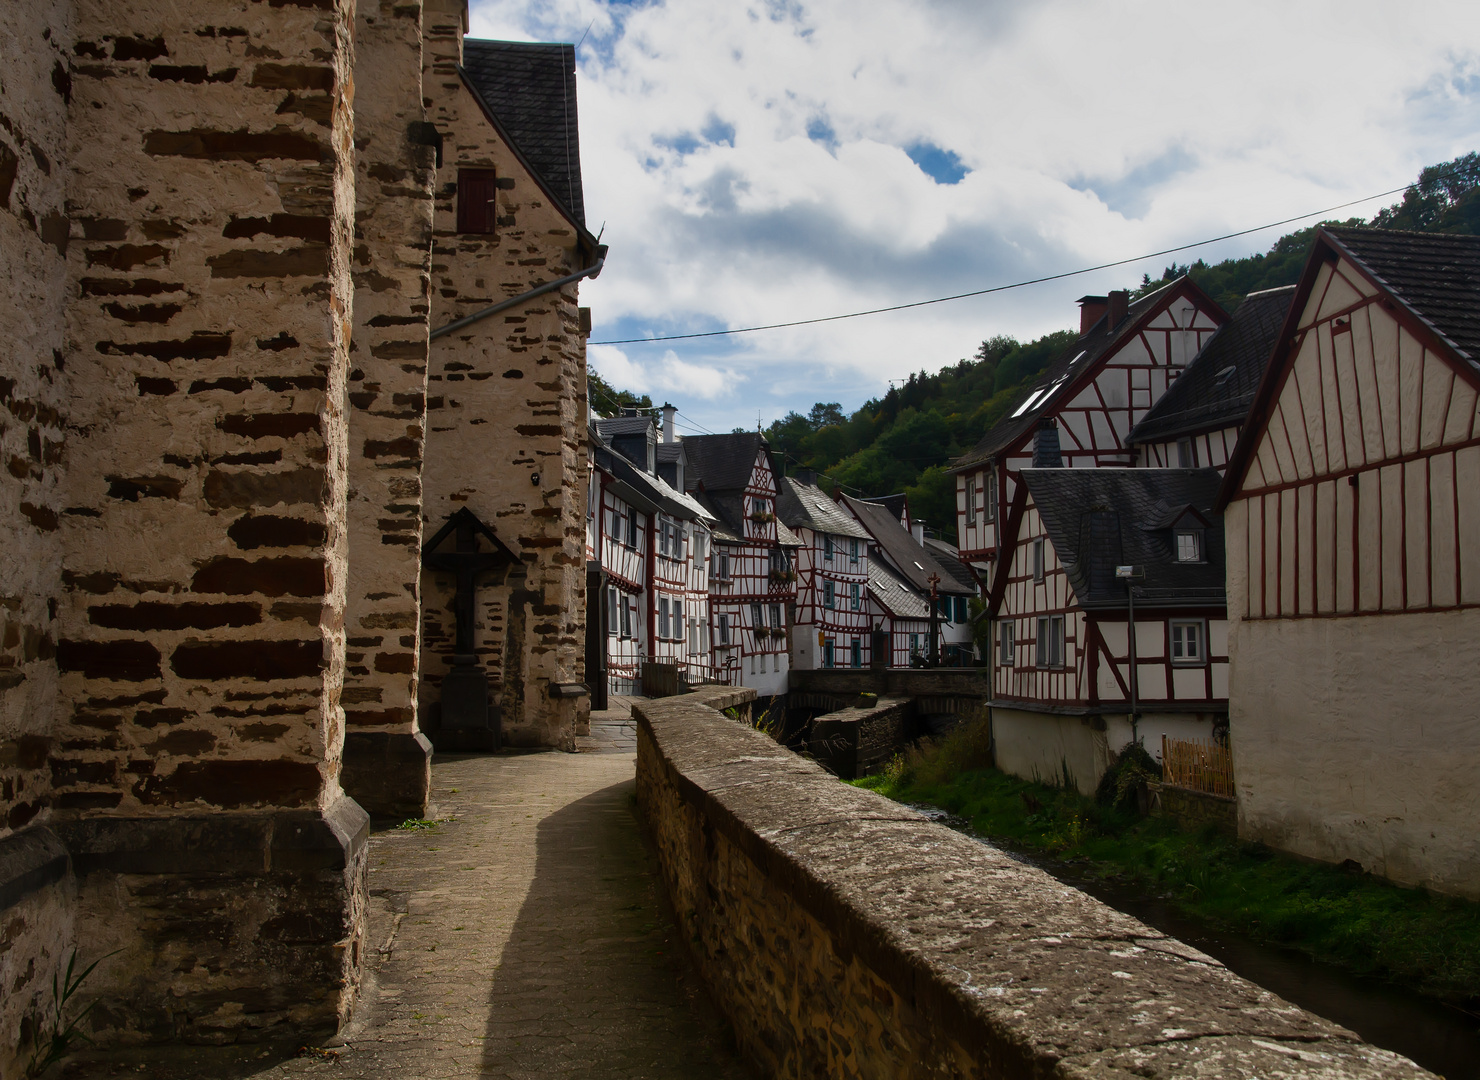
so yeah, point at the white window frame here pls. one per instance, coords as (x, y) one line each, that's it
(1193, 553)
(1186, 454)
(613, 616)
(632, 530)
(663, 617)
(1040, 558)
(775, 613)
(827, 547)
(829, 594)
(971, 500)
(853, 549)
(1199, 630)
(721, 565)
(853, 595)
(723, 629)
(1006, 642)
(991, 509)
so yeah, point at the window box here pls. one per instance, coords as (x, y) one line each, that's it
(783, 577)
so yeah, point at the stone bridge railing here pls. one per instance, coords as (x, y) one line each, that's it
(844, 935)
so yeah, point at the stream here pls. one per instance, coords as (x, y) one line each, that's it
(1438, 1036)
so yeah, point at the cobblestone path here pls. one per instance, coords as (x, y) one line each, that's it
(522, 935)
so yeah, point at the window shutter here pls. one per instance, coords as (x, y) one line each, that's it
(476, 209)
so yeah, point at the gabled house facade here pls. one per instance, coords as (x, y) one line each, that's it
(898, 544)
(831, 627)
(752, 571)
(1081, 411)
(1352, 509)
(1196, 423)
(1071, 685)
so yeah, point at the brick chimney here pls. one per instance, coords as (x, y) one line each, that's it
(1120, 302)
(1090, 310)
(1046, 453)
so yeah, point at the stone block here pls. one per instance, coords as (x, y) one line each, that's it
(388, 773)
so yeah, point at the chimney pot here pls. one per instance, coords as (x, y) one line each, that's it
(1090, 310)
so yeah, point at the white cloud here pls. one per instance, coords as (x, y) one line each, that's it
(1092, 131)
(667, 374)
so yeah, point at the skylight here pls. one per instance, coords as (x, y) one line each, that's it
(1025, 406)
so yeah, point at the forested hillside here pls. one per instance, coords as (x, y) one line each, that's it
(903, 440)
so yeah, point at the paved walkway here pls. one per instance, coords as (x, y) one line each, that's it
(522, 936)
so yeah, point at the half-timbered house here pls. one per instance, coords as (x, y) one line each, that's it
(899, 614)
(1198, 420)
(1071, 685)
(1352, 508)
(752, 575)
(1080, 412)
(651, 542)
(831, 627)
(899, 543)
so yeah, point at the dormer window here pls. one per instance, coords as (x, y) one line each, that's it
(1189, 545)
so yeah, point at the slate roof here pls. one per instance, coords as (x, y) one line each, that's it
(949, 558)
(1436, 274)
(905, 554)
(895, 504)
(894, 594)
(804, 506)
(1063, 373)
(723, 462)
(1098, 519)
(1217, 388)
(670, 451)
(530, 88)
(624, 425)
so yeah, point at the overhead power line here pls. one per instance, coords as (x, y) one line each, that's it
(1005, 288)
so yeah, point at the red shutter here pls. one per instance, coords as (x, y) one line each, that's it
(476, 190)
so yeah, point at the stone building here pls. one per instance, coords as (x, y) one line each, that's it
(232, 231)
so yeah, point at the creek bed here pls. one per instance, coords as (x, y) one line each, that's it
(1438, 1036)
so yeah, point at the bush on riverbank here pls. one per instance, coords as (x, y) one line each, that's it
(1421, 940)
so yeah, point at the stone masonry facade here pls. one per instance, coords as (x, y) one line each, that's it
(229, 229)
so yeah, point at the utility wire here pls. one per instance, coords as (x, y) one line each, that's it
(1005, 288)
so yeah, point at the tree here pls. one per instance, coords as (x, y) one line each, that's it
(608, 401)
(823, 415)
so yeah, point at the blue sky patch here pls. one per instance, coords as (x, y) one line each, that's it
(820, 131)
(942, 166)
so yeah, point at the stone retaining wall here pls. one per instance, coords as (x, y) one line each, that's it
(844, 935)
(1195, 809)
(852, 742)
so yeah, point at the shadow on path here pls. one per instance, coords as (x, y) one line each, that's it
(594, 981)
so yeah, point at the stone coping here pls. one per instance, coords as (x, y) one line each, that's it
(992, 959)
(30, 860)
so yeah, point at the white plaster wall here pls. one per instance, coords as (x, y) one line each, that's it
(1359, 738)
(1036, 746)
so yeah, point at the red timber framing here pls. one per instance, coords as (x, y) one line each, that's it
(1208, 449)
(1354, 489)
(1086, 664)
(842, 562)
(760, 582)
(1094, 409)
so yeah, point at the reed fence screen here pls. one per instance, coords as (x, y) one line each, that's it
(1197, 766)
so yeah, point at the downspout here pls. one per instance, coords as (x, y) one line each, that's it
(504, 305)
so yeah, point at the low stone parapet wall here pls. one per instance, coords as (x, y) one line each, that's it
(1196, 809)
(844, 935)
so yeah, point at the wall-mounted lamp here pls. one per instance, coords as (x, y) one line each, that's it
(534, 478)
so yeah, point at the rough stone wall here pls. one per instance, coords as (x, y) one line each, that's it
(387, 768)
(852, 742)
(506, 411)
(202, 642)
(846, 936)
(1196, 809)
(35, 87)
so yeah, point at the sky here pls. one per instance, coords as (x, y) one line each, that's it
(763, 161)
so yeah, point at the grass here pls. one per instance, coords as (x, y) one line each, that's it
(1352, 920)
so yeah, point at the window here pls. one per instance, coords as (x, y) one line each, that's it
(991, 514)
(1189, 545)
(853, 550)
(827, 547)
(1186, 454)
(1006, 632)
(1187, 642)
(722, 565)
(662, 536)
(626, 609)
(632, 527)
(971, 501)
(477, 209)
(700, 554)
(827, 653)
(613, 617)
(1038, 559)
(853, 595)
(829, 600)
(723, 630)
(663, 617)
(961, 610)
(615, 528)
(756, 621)
(856, 651)
(775, 616)
(1050, 641)
(693, 636)
(914, 644)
